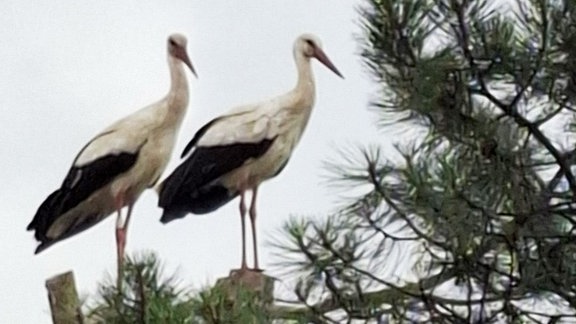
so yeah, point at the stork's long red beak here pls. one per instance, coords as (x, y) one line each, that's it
(181, 54)
(322, 57)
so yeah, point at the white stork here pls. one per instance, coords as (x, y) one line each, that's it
(117, 165)
(236, 152)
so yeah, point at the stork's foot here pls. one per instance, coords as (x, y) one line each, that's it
(246, 269)
(252, 278)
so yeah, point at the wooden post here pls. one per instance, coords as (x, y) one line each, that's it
(64, 301)
(253, 280)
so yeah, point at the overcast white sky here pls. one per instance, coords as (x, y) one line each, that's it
(71, 68)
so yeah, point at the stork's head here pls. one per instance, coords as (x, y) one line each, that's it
(309, 46)
(177, 49)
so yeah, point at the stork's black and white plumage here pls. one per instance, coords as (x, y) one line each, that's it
(117, 165)
(236, 152)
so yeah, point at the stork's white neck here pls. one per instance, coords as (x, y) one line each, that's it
(305, 89)
(178, 96)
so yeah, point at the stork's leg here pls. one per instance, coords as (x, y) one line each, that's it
(121, 232)
(243, 222)
(253, 223)
(120, 240)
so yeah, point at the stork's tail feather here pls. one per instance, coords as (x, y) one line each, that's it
(43, 246)
(45, 216)
(173, 213)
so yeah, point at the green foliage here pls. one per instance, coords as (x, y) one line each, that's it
(144, 296)
(216, 305)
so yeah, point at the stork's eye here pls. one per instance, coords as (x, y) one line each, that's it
(172, 42)
(309, 42)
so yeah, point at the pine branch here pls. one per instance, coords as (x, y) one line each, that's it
(510, 108)
(387, 296)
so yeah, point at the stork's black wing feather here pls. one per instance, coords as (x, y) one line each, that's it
(193, 187)
(79, 184)
(197, 136)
